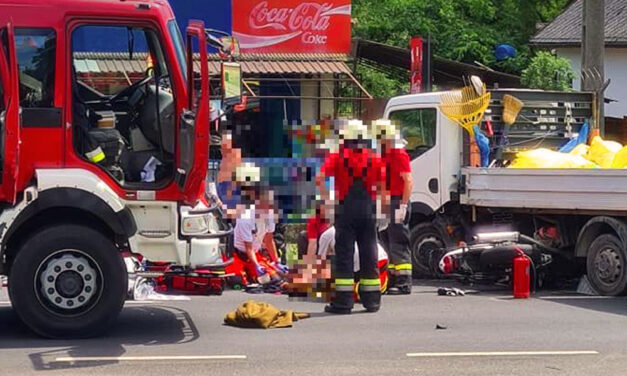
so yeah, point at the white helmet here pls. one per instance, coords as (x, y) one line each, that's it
(383, 129)
(248, 174)
(353, 130)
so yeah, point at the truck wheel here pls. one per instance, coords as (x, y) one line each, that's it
(607, 265)
(68, 281)
(425, 242)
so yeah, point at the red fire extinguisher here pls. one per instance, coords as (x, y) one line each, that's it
(521, 272)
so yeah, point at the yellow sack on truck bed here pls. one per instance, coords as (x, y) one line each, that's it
(545, 158)
(620, 158)
(580, 150)
(602, 152)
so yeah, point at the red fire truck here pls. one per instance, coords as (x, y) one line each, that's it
(92, 173)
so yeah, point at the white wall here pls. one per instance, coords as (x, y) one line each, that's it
(309, 108)
(615, 69)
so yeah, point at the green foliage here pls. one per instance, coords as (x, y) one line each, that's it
(380, 85)
(462, 30)
(548, 72)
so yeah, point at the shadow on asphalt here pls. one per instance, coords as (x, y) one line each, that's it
(145, 325)
(565, 295)
(613, 305)
(430, 286)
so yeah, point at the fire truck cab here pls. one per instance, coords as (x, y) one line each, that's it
(98, 167)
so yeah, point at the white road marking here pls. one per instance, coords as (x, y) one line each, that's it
(499, 353)
(579, 297)
(71, 359)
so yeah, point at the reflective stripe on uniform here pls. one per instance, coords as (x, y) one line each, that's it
(95, 155)
(402, 266)
(367, 284)
(403, 269)
(344, 284)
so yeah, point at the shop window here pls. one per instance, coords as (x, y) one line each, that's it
(418, 127)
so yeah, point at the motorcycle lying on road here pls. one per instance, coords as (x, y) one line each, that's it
(489, 259)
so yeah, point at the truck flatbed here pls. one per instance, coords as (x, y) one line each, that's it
(586, 190)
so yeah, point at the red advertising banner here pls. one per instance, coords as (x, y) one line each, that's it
(293, 26)
(415, 85)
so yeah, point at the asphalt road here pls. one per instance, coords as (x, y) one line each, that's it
(489, 326)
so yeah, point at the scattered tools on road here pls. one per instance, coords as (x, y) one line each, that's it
(451, 291)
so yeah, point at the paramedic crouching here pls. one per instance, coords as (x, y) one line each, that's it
(359, 178)
(255, 227)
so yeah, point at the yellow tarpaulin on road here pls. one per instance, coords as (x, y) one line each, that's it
(253, 314)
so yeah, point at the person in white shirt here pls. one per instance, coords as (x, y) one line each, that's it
(255, 225)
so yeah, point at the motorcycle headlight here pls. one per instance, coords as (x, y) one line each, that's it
(196, 224)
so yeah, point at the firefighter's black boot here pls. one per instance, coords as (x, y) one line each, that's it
(371, 300)
(342, 304)
(330, 308)
(402, 286)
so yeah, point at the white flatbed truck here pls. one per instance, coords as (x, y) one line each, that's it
(586, 209)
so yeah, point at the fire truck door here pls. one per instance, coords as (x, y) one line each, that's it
(194, 126)
(10, 114)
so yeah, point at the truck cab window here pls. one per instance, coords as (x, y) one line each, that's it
(418, 127)
(36, 49)
(124, 118)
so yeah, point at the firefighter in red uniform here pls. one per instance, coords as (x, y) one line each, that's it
(359, 178)
(395, 237)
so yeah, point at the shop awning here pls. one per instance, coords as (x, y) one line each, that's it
(252, 64)
(269, 64)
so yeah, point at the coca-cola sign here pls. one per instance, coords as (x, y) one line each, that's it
(292, 25)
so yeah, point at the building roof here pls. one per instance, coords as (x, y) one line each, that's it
(565, 30)
(446, 72)
(252, 64)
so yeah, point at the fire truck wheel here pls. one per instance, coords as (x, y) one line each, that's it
(68, 281)
(607, 265)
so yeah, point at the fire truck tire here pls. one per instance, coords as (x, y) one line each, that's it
(425, 246)
(606, 265)
(68, 281)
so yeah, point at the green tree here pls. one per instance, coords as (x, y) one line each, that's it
(379, 84)
(548, 72)
(462, 30)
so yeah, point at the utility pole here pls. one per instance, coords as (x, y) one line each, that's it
(592, 54)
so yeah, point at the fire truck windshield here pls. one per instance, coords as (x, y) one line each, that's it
(177, 39)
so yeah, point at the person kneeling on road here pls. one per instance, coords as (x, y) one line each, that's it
(254, 228)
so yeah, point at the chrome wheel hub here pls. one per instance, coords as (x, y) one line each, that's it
(68, 281)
